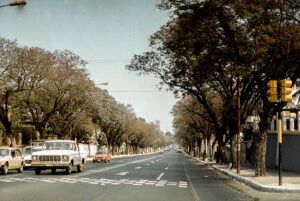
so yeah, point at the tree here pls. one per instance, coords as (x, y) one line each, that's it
(209, 44)
(64, 81)
(20, 74)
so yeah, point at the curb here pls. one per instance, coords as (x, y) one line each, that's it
(254, 184)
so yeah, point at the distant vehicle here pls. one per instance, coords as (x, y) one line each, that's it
(11, 159)
(57, 154)
(27, 152)
(102, 156)
(179, 150)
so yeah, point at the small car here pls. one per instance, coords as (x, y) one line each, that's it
(11, 159)
(102, 156)
(27, 152)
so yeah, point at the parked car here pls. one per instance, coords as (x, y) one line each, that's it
(27, 153)
(57, 154)
(11, 159)
(102, 156)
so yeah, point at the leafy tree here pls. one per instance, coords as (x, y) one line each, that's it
(207, 45)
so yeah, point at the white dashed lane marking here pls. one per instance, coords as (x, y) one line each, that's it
(138, 167)
(122, 174)
(160, 176)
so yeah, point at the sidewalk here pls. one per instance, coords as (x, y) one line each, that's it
(269, 183)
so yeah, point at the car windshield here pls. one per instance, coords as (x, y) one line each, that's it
(101, 152)
(27, 151)
(36, 149)
(58, 146)
(4, 152)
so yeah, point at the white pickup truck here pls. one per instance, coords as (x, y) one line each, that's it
(57, 154)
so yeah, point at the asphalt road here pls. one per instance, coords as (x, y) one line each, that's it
(162, 176)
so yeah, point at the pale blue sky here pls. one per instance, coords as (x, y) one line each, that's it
(105, 33)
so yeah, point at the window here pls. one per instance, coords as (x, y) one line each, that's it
(288, 125)
(18, 153)
(296, 124)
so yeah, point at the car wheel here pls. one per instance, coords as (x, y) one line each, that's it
(20, 170)
(5, 169)
(53, 170)
(79, 167)
(37, 171)
(69, 168)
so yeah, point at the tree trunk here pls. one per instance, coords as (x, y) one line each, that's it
(233, 153)
(204, 149)
(195, 147)
(199, 148)
(260, 162)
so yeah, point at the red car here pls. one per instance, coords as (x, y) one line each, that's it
(102, 156)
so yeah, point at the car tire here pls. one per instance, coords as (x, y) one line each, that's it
(53, 170)
(79, 167)
(69, 168)
(21, 167)
(5, 169)
(37, 171)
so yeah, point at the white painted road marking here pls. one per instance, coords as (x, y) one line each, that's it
(122, 174)
(159, 177)
(138, 167)
(101, 182)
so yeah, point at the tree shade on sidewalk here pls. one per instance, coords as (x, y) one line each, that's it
(269, 183)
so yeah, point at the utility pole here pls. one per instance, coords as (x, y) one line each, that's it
(70, 123)
(238, 156)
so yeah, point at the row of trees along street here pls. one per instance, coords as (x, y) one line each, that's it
(207, 45)
(53, 91)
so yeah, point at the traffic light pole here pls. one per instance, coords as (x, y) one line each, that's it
(280, 146)
(279, 95)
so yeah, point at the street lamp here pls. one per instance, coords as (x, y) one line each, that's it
(15, 3)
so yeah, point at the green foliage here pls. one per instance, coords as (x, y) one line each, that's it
(206, 45)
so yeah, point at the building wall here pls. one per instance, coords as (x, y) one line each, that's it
(290, 152)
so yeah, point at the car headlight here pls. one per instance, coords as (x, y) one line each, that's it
(34, 158)
(65, 158)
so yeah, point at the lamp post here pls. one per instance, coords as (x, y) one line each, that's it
(15, 3)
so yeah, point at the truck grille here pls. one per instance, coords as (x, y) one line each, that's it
(28, 161)
(49, 158)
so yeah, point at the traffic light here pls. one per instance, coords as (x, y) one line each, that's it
(272, 91)
(286, 90)
(17, 3)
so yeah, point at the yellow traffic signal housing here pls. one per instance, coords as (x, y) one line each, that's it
(286, 90)
(272, 92)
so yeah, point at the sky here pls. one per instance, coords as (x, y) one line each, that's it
(105, 33)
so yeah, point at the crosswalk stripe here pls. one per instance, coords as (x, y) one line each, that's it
(102, 181)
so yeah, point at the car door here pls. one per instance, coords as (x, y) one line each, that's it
(18, 158)
(12, 159)
(76, 154)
